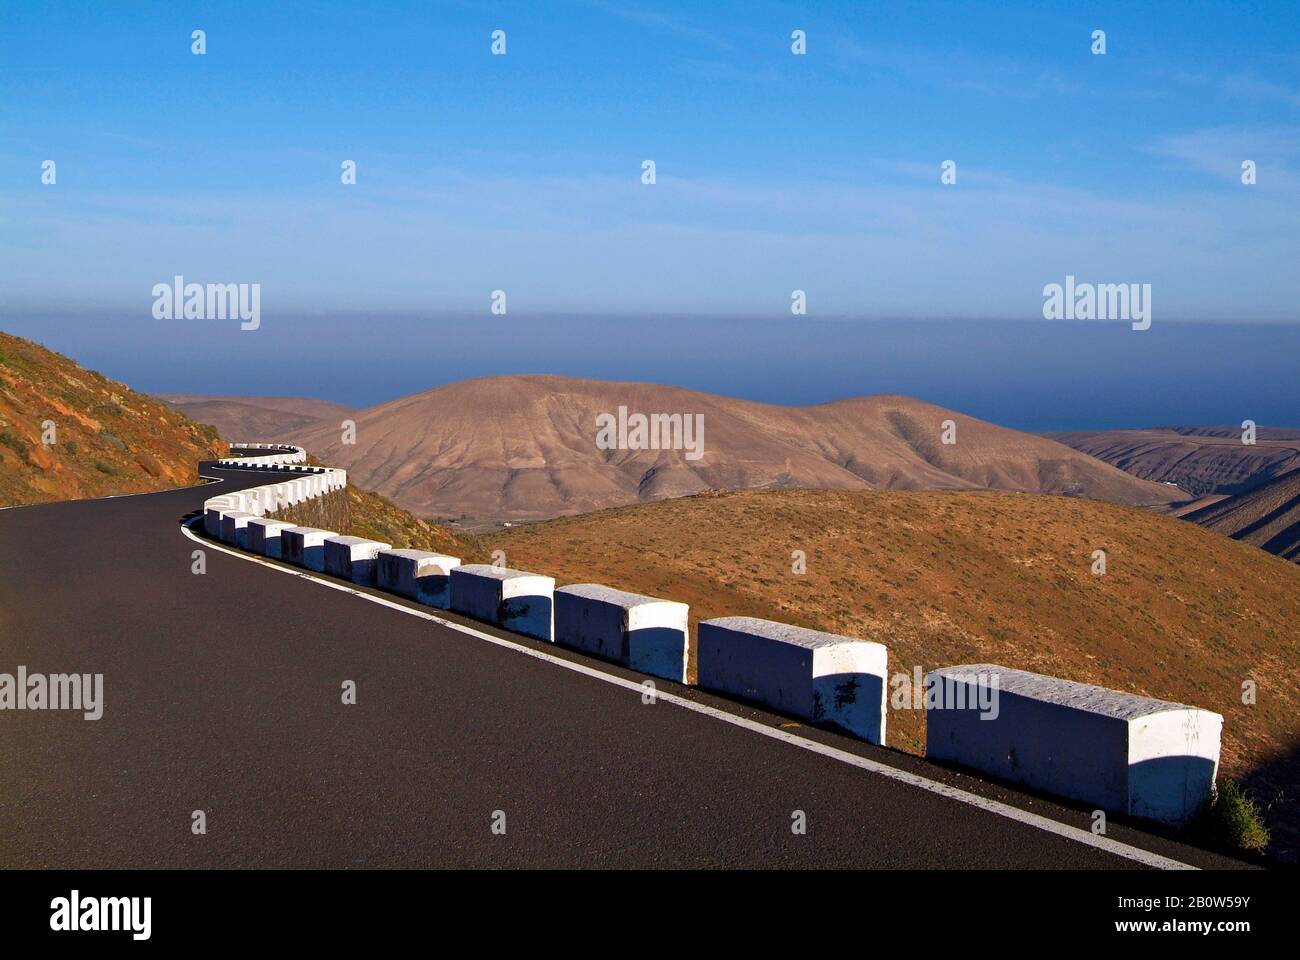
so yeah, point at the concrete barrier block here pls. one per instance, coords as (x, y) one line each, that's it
(305, 546)
(353, 558)
(234, 527)
(1117, 751)
(264, 536)
(212, 520)
(275, 498)
(511, 599)
(646, 634)
(821, 677)
(417, 575)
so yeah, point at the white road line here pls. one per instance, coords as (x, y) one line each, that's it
(1046, 824)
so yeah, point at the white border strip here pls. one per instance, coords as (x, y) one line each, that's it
(1086, 837)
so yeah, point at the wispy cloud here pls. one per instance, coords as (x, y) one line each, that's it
(1247, 85)
(1219, 151)
(658, 20)
(987, 75)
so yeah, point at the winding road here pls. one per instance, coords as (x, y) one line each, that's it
(223, 691)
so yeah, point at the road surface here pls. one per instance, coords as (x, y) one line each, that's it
(223, 694)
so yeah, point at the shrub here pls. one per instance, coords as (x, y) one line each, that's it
(1235, 817)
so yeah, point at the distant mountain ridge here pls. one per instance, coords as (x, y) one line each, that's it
(524, 448)
(255, 417)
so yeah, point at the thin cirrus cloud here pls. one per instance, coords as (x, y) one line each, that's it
(901, 247)
(1220, 151)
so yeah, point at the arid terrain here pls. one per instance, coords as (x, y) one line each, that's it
(942, 578)
(1250, 492)
(1267, 516)
(109, 439)
(523, 448)
(1201, 460)
(951, 575)
(249, 418)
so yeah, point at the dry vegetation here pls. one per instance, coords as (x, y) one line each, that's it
(110, 439)
(944, 578)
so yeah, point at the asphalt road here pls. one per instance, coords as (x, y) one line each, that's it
(223, 694)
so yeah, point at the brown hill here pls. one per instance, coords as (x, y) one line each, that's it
(1200, 460)
(261, 418)
(1267, 516)
(521, 448)
(109, 439)
(942, 578)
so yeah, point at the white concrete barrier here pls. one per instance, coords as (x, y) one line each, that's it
(512, 599)
(1120, 752)
(276, 453)
(821, 677)
(305, 546)
(646, 634)
(212, 512)
(234, 527)
(417, 575)
(353, 558)
(304, 483)
(264, 536)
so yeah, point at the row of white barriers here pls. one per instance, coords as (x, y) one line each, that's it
(300, 484)
(1119, 752)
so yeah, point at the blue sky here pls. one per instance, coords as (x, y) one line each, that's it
(775, 172)
(522, 172)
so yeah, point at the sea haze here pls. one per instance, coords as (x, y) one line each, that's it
(1030, 375)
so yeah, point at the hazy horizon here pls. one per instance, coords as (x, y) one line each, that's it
(1029, 375)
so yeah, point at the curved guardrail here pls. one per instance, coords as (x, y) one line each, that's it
(301, 483)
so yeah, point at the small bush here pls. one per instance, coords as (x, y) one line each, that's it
(1236, 818)
(15, 443)
(107, 468)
